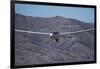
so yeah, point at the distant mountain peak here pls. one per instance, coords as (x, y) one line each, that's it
(59, 17)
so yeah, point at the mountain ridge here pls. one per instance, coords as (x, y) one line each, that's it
(59, 17)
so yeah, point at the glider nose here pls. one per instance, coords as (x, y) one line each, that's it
(57, 40)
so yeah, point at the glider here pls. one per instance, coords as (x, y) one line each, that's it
(54, 35)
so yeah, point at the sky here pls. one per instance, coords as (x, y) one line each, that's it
(79, 13)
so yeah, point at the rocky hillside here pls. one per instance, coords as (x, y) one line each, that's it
(41, 49)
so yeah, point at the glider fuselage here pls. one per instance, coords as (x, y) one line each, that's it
(56, 36)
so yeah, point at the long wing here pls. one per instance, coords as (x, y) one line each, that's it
(31, 32)
(77, 31)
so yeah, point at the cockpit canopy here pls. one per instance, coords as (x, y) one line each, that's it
(54, 33)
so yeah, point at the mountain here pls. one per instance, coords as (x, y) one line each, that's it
(31, 49)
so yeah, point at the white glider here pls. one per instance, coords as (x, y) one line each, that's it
(54, 35)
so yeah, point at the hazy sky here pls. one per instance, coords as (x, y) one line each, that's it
(82, 14)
